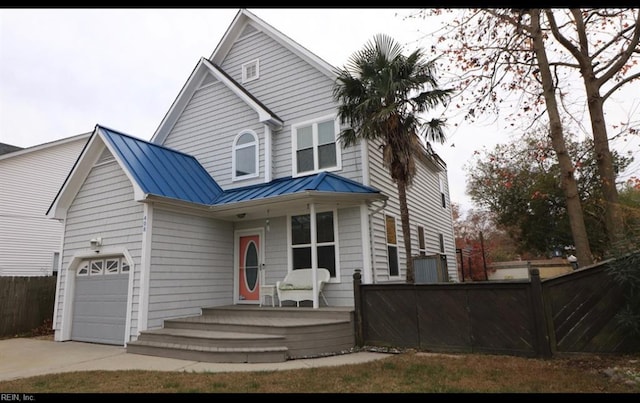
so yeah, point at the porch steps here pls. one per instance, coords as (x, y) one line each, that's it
(248, 334)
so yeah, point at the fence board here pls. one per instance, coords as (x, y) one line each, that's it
(25, 303)
(573, 312)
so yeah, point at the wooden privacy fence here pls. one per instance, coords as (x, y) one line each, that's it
(25, 303)
(574, 312)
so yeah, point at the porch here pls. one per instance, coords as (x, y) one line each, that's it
(251, 334)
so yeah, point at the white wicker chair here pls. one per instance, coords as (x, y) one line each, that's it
(298, 286)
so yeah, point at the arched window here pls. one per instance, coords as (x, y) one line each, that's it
(245, 155)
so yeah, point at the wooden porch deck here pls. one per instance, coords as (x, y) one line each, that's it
(251, 333)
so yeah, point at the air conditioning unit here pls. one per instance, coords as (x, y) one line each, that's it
(430, 269)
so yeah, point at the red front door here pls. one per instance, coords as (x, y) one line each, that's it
(249, 268)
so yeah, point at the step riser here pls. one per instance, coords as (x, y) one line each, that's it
(239, 334)
(245, 328)
(218, 357)
(204, 342)
(280, 313)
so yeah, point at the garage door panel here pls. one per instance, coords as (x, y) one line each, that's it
(99, 312)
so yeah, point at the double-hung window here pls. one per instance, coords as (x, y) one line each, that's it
(315, 146)
(325, 241)
(392, 245)
(422, 249)
(245, 155)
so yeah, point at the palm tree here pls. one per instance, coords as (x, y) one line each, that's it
(381, 94)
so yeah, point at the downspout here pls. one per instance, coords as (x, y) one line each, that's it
(372, 238)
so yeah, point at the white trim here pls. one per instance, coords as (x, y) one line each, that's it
(314, 253)
(423, 250)
(56, 302)
(314, 125)
(236, 261)
(245, 17)
(203, 68)
(366, 244)
(268, 165)
(235, 147)
(145, 267)
(335, 243)
(364, 156)
(245, 67)
(66, 324)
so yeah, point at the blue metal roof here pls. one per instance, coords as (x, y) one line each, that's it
(162, 171)
(321, 182)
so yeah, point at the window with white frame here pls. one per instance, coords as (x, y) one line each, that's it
(112, 266)
(392, 245)
(245, 155)
(315, 146)
(98, 267)
(56, 262)
(442, 195)
(250, 71)
(325, 241)
(441, 240)
(422, 250)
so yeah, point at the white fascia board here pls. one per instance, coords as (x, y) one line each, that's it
(245, 17)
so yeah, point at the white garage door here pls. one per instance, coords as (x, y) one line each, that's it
(100, 301)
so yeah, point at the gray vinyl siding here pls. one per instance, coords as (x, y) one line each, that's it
(206, 129)
(191, 265)
(294, 90)
(104, 207)
(350, 253)
(380, 179)
(425, 209)
(29, 181)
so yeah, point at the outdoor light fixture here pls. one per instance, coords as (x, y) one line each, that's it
(95, 243)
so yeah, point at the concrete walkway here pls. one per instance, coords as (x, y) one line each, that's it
(27, 357)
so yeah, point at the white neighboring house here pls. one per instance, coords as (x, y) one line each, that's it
(29, 178)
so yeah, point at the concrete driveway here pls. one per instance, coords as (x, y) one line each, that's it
(27, 357)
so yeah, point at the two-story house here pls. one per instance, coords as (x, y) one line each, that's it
(243, 181)
(29, 179)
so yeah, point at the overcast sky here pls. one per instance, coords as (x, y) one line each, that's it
(62, 71)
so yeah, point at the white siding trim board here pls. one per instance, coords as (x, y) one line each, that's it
(145, 267)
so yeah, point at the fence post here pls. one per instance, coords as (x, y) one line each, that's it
(357, 301)
(543, 345)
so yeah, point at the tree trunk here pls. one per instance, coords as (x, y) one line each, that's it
(568, 181)
(613, 215)
(406, 229)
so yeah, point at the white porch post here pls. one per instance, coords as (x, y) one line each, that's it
(314, 255)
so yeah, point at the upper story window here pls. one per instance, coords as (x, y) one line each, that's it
(250, 71)
(422, 249)
(315, 146)
(245, 155)
(443, 198)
